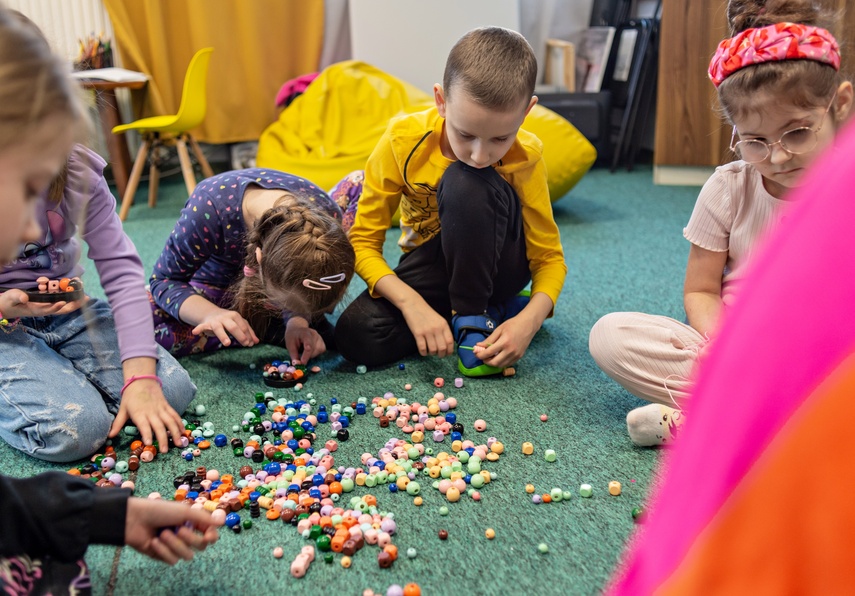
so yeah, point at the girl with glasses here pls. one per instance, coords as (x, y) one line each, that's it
(779, 83)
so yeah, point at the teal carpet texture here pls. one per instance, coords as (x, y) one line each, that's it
(624, 248)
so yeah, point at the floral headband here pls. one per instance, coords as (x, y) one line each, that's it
(781, 41)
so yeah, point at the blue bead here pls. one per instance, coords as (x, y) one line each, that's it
(469, 450)
(293, 444)
(290, 420)
(323, 417)
(402, 366)
(456, 436)
(188, 456)
(293, 488)
(315, 493)
(338, 477)
(308, 426)
(360, 408)
(253, 496)
(215, 484)
(276, 363)
(193, 494)
(291, 467)
(300, 404)
(317, 480)
(393, 488)
(467, 479)
(232, 519)
(322, 408)
(450, 417)
(273, 468)
(310, 450)
(381, 465)
(197, 440)
(333, 400)
(221, 440)
(262, 409)
(345, 421)
(277, 442)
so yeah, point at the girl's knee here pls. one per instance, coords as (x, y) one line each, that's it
(68, 440)
(178, 388)
(602, 342)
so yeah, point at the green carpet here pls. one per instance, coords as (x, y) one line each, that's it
(624, 248)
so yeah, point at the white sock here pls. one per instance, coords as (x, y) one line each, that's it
(654, 424)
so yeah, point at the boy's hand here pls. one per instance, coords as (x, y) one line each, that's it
(189, 529)
(145, 405)
(16, 303)
(507, 344)
(223, 323)
(301, 341)
(431, 330)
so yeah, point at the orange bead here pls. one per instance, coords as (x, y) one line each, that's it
(63, 284)
(547, 498)
(412, 590)
(337, 543)
(136, 445)
(336, 488)
(204, 444)
(272, 514)
(392, 550)
(370, 500)
(74, 472)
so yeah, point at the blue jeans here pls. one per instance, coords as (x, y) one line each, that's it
(61, 379)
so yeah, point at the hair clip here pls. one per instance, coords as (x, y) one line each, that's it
(249, 271)
(324, 282)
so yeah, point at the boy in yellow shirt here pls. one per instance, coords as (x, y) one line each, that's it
(476, 220)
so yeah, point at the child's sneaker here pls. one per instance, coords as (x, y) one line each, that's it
(654, 424)
(469, 330)
(510, 307)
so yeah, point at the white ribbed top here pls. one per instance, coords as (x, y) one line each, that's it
(732, 214)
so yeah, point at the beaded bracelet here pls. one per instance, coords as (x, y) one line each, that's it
(137, 378)
(6, 325)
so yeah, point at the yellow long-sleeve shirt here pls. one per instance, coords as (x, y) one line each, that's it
(405, 169)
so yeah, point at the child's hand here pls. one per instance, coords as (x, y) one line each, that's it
(301, 341)
(431, 330)
(16, 303)
(145, 405)
(507, 344)
(189, 529)
(224, 322)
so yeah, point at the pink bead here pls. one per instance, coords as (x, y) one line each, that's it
(212, 475)
(278, 552)
(544, 417)
(130, 484)
(460, 485)
(438, 436)
(480, 425)
(331, 446)
(452, 402)
(147, 456)
(476, 496)
(299, 566)
(439, 382)
(444, 485)
(430, 424)
(308, 551)
(383, 538)
(439, 395)
(371, 536)
(218, 516)
(407, 387)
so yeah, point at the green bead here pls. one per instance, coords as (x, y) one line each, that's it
(443, 510)
(463, 456)
(586, 491)
(413, 488)
(238, 451)
(121, 467)
(255, 412)
(299, 433)
(543, 548)
(245, 426)
(259, 397)
(131, 430)
(413, 453)
(247, 524)
(347, 484)
(477, 481)
(329, 558)
(324, 543)
(190, 427)
(278, 456)
(557, 494)
(315, 531)
(637, 512)
(370, 480)
(97, 460)
(549, 455)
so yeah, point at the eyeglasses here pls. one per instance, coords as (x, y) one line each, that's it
(796, 141)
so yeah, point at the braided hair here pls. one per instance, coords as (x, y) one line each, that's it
(298, 242)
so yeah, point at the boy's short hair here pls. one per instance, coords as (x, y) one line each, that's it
(496, 67)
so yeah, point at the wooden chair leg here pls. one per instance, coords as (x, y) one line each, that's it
(186, 165)
(200, 157)
(153, 183)
(134, 180)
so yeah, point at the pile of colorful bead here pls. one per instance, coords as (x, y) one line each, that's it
(555, 495)
(415, 419)
(105, 470)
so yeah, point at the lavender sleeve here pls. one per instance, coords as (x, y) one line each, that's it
(116, 259)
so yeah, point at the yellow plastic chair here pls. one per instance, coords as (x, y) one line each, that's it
(190, 114)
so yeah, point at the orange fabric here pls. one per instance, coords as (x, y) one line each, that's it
(257, 45)
(806, 469)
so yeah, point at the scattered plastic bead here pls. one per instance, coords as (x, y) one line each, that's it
(527, 448)
(346, 562)
(480, 425)
(586, 491)
(278, 552)
(408, 386)
(509, 372)
(543, 548)
(411, 553)
(438, 382)
(443, 510)
(200, 410)
(544, 417)
(614, 488)
(529, 488)
(637, 513)
(458, 382)
(443, 535)
(549, 455)
(490, 533)
(361, 369)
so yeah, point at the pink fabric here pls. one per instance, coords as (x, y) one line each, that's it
(293, 88)
(792, 324)
(781, 41)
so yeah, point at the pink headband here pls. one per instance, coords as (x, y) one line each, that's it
(781, 41)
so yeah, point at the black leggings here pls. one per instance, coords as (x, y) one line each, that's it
(478, 259)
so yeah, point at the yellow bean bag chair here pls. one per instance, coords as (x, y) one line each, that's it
(331, 129)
